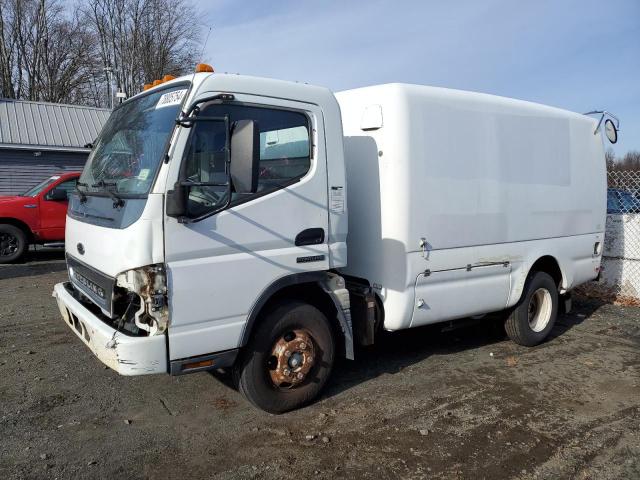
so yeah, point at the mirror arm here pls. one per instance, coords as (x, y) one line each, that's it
(186, 120)
(603, 113)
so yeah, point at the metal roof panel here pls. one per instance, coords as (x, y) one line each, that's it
(41, 124)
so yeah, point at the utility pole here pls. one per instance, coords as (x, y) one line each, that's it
(108, 72)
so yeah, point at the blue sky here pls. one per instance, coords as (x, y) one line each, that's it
(575, 54)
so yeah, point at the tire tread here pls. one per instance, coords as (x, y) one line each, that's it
(517, 323)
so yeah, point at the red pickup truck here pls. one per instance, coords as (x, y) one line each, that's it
(36, 216)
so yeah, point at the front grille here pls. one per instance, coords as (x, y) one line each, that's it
(95, 285)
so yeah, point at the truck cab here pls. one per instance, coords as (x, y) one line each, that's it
(36, 216)
(207, 204)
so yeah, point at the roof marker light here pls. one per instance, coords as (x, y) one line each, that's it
(166, 78)
(203, 67)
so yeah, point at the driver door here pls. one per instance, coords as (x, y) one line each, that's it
(218, 267)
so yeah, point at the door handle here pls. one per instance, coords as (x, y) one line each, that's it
(310, 236)
(31, 205)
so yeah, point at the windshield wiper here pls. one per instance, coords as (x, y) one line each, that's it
(81, 194)
(117, 201)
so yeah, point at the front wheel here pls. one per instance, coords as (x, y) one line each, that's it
(288, 360)
(13, 243)
(532, 319)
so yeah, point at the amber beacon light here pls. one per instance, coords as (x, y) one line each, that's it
(203, 67)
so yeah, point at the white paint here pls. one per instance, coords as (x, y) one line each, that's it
(124, 354)
(371, 118)
(219, 267)
(542, 306)
(113, 251)
(482, 179)
(490, 184)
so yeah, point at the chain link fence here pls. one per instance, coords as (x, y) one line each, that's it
(620, 278)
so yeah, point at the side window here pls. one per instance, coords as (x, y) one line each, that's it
(205, 162)
(284, 152)
(69, 186)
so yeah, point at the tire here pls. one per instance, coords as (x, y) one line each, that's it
(13, 243)
(261, 373)
(533, 318)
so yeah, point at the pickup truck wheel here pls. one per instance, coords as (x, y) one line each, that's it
(532, 319)
(13, 243)
(288, 360)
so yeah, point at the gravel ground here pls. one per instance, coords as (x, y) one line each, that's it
(421, 404)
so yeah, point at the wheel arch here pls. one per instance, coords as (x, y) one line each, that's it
(550, 265)
(309, 287)
(547, 263)
(21, 225)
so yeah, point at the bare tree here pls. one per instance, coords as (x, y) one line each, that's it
(142, 40)
(631, 161)
(44, 53)
(610, 159)
(49, 53)
(66, 69)
(27, 24)
(11, 54)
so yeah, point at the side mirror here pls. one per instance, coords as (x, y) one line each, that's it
(610, 130)
(177, 201)
(245, 156)
(57, 195)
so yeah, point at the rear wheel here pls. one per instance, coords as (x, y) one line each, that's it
(288, 360)
(532, 319)
(13, 243)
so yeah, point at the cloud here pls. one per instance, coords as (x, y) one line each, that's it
(575, 54)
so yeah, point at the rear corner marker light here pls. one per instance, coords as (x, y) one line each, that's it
(203, 67)
(597, 248)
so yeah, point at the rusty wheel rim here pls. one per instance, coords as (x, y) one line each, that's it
(292, 358)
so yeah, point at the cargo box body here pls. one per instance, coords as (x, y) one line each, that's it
(454, 195)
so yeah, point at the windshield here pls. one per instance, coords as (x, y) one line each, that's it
(129, 150)
(33, 192)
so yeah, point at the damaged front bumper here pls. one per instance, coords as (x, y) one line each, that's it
(127, 355)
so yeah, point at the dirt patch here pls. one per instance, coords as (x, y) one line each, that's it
(607, 294)
(421, 404)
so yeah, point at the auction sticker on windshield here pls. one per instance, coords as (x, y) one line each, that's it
(171, 98)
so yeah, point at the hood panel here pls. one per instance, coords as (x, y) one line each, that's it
(112, 250)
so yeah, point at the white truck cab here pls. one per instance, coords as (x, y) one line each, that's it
(210, 227)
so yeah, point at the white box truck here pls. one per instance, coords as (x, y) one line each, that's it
(266, 227)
